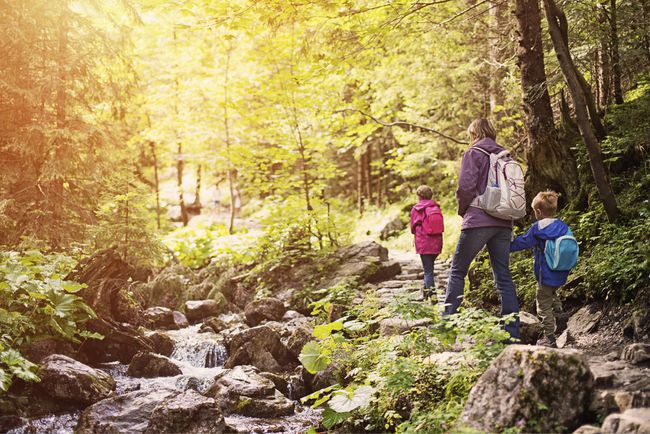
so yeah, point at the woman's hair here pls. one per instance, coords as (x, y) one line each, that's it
(546, 202)
(424, 192)
(481, 128)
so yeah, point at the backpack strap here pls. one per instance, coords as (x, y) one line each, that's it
(478, 148)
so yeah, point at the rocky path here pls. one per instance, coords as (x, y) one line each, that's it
(409, 282)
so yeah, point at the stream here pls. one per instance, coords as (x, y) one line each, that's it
(201, 357)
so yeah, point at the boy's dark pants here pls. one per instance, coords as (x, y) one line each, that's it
(547, 304)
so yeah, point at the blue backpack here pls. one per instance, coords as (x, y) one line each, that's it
(562, 253)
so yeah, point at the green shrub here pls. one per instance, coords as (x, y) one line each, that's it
(391, 382)
(36, 303)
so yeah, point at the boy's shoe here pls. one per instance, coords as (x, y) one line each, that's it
(547, 341)
(426, 293)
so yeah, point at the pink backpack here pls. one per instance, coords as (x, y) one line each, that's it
(433, 222)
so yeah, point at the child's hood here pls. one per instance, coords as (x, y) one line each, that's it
(425, 203)
(551, 230)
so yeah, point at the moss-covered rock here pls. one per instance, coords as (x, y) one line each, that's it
(535, 388)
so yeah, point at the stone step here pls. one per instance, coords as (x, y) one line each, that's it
(407, 277)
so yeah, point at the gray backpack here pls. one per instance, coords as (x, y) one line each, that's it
(504, 195)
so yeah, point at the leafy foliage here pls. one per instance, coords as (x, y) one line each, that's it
(36, 303)
(396, 382)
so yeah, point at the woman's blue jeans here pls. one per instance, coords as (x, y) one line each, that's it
(469, 245)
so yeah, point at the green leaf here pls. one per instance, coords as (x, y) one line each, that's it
(324, 330)
(344, 401)
(312, 358)
(332, 418)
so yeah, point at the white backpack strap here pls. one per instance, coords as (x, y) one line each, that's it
(478, 148)
(503, 154)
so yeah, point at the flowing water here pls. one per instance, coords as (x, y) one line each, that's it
(201, 357)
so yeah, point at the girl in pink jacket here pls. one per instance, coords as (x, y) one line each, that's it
(427, 245)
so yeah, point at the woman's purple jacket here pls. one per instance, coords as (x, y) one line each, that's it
(472, 179)
(425, 244)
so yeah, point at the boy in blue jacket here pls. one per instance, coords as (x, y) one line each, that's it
(546, 228)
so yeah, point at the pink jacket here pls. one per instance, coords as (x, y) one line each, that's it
(425, 244)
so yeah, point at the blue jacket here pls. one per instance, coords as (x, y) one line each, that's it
(535, 238)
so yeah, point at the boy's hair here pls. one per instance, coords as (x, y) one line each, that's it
(546, 202)
(481, 128)
(424, 192)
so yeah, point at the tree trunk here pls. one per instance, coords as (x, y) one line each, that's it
(645, 13)
(156, 181)
(179, 183)
(550, 163)
(616, 58)
(231, 181)
(360, 183)
(197, 190)
(555, 18)
(604, 76)
(368, 170)
(499, 24)
(61, 68)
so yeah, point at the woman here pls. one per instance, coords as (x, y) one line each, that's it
(480, 229)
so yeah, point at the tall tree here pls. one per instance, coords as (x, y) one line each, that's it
(550, 163)
(558, 29)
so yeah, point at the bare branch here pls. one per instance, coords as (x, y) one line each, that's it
(402, 124)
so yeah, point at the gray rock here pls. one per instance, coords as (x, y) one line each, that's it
(398, 326)
(638, 324)
(189, 413)
(363, 250)
(588, 429)
(636, 420)
(244, 391)
(584, 320)
(266, 309)
(392, 228)
(162, 343)
(213, 325)
(197, 310)
(547, 389)
(153, 411)
(385, 270)
(531, 328)
(66, 379)
(151, 365)
(261, 347)
(181, 320)
(298, 338)
(636, 353)
(160, 318)
(565, 339)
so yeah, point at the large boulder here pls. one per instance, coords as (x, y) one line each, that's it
(36, 351)
(266, 309)
(539, 389)
(392, 228)
(151, 365)
(363, 250)
(121, 342)
(66, 379)
(632, 421)
(160, 317)
(197, 310)
(636, 353)
(153, 411)
(180, 320)
(244, 391)
(261, 347)
(162, 343)
(189, 413)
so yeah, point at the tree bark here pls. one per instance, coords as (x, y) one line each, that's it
(156, 181)
(555, 18)
(645, 14)
(550, 164)
(497, 71)
(360, 183)
(616, 58)
(604, 76)
(197, 190)
(179, 183)
(368, 170)
(226, 121)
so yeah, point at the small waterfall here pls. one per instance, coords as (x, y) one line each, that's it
(201, 350)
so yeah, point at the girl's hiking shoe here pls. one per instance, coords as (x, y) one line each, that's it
(547, 342)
